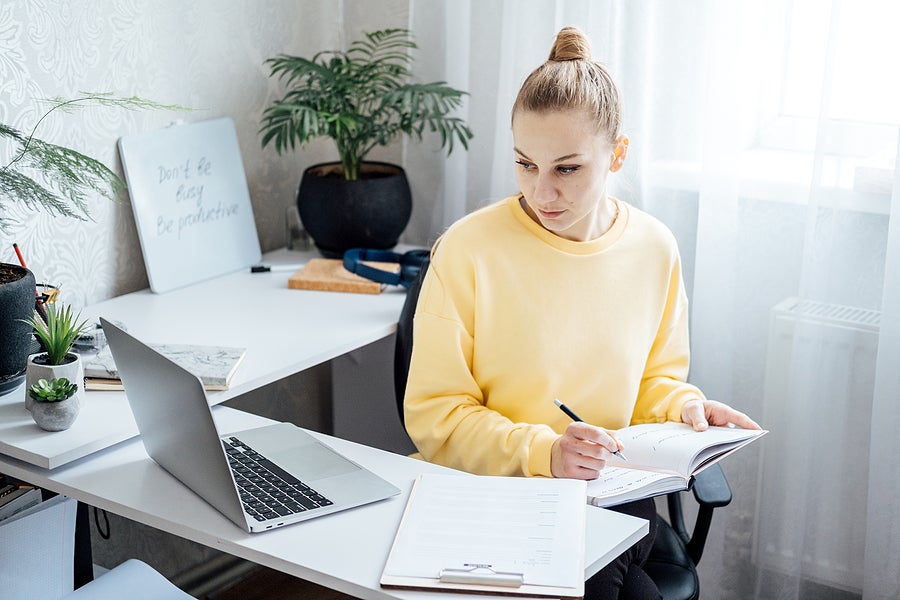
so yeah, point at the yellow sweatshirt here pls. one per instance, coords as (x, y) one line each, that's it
(512, 316)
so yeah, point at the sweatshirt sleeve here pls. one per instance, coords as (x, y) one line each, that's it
(445, 410)
(664, 388)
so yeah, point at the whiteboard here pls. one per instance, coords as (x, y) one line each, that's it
(190, 200)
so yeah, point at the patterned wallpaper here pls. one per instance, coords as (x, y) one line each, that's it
(205, 54)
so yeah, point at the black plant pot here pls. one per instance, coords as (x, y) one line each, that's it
(369, 212)
(16, 303)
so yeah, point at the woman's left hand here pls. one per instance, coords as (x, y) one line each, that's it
(700, 414)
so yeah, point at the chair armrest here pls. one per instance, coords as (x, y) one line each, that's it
(711, 488)
(711, 491)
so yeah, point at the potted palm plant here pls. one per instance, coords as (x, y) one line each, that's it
(360, 98)
(60, 181)
(55, 403)
(56, 360)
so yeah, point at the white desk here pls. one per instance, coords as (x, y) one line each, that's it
(344, 551)
(285, 331)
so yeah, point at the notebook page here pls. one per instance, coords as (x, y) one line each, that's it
(615, 485)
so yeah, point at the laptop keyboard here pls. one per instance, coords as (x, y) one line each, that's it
(268, 491)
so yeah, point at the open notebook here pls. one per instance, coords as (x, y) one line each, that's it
(662, 458)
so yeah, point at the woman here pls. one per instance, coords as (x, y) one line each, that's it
(559, 292)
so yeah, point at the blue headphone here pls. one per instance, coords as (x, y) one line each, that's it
(410, 264)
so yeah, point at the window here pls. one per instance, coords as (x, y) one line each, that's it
(813, 97)
(840, 73)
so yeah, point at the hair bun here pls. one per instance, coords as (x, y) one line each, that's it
(571, 44)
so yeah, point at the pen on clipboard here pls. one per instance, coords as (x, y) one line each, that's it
(274, 268)
(575, 417)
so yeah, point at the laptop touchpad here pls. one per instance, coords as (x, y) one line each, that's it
(315, 461)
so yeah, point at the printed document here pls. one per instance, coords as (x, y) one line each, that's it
(506, 525)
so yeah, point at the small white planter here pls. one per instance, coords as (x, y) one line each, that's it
(56, 416)
(73, 371)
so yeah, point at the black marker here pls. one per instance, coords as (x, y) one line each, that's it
(578, 419)
(274, 268)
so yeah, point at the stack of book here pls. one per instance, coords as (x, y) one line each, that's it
(214, 365)
(16, 497)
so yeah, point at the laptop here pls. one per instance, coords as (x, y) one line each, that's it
(259, 478)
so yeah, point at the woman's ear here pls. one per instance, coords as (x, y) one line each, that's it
(620, 151)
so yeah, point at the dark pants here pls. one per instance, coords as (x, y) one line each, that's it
(624, 577)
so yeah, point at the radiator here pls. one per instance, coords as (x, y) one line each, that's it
(820, 373)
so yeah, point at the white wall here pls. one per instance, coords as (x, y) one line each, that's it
(204, 54)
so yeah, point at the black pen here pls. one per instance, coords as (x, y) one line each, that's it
(578, 419)
(274, 268)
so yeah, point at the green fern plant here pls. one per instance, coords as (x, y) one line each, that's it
(59, 332)
(54, 178)
(360, 98)
(55, 390)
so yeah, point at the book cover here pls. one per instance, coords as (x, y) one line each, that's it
(18, 500)
(36, 549)
(214, 365)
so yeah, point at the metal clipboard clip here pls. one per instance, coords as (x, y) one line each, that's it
(479, 574)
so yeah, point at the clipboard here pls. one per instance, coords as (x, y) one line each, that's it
(451, 515)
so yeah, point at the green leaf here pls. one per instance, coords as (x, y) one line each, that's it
(359, 98)
(59, 332)
(45, 176)
(55, 390)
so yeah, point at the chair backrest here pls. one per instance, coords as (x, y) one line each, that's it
(403, 346)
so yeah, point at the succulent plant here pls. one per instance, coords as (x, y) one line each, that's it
(55, 390)
(59, 332)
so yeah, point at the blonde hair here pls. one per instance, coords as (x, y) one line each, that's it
(569, 79)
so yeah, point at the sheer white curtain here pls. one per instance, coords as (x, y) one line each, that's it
(765, 135)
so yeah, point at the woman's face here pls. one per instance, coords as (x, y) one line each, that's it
(561, 167)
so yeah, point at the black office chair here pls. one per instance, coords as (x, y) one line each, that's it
(673, 560)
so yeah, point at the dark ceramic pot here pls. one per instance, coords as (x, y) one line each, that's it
(370, 212)
(16, 302)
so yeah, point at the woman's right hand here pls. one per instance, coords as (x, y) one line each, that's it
(582, 451)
